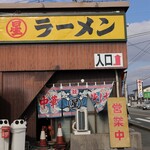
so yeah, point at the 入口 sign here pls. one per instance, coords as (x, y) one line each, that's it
(108, 60)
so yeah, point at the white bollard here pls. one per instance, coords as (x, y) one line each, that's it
(4, 134)
(18, 130)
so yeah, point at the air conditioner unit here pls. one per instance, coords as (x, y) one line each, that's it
(81, 122)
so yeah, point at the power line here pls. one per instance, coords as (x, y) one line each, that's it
(144, 78)
(138, 34)
(142, 52)
(132, 44)
(133, 83)
(148, 77)
(139, 47)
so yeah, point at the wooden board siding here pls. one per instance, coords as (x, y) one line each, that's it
(1, 84)
(19, 89)
(65, 56)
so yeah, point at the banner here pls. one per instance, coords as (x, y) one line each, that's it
(140, 88)
(60, 28)
(118, 123)
(63, 101)
(99, 97)
(50, 105)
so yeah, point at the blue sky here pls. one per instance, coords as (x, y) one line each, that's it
(138, 11)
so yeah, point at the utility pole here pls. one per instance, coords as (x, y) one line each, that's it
(125, 86)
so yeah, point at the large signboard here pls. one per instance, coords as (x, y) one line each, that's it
(146, 94)
(118, 123)
(66, 28)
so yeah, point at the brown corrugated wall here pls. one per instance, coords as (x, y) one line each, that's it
(55, 56)
(18, 90)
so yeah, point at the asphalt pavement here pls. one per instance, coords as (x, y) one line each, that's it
(140, 122)
(139, 118)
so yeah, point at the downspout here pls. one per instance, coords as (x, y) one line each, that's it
(117, 84)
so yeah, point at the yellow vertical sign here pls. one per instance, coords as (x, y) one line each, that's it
(118, 122)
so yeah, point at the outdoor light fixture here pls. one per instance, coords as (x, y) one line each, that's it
(82, 80)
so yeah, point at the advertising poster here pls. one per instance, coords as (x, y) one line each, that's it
(140, 88)
(118, 122)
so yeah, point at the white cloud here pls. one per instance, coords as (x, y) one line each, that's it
(138, 27)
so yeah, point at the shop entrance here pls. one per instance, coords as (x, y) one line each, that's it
(46, 122)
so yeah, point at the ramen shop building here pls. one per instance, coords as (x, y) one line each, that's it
(54, 57)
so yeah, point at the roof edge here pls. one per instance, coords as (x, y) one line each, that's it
(123, 4)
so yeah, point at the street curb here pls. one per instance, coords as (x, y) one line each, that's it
(139, 126)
